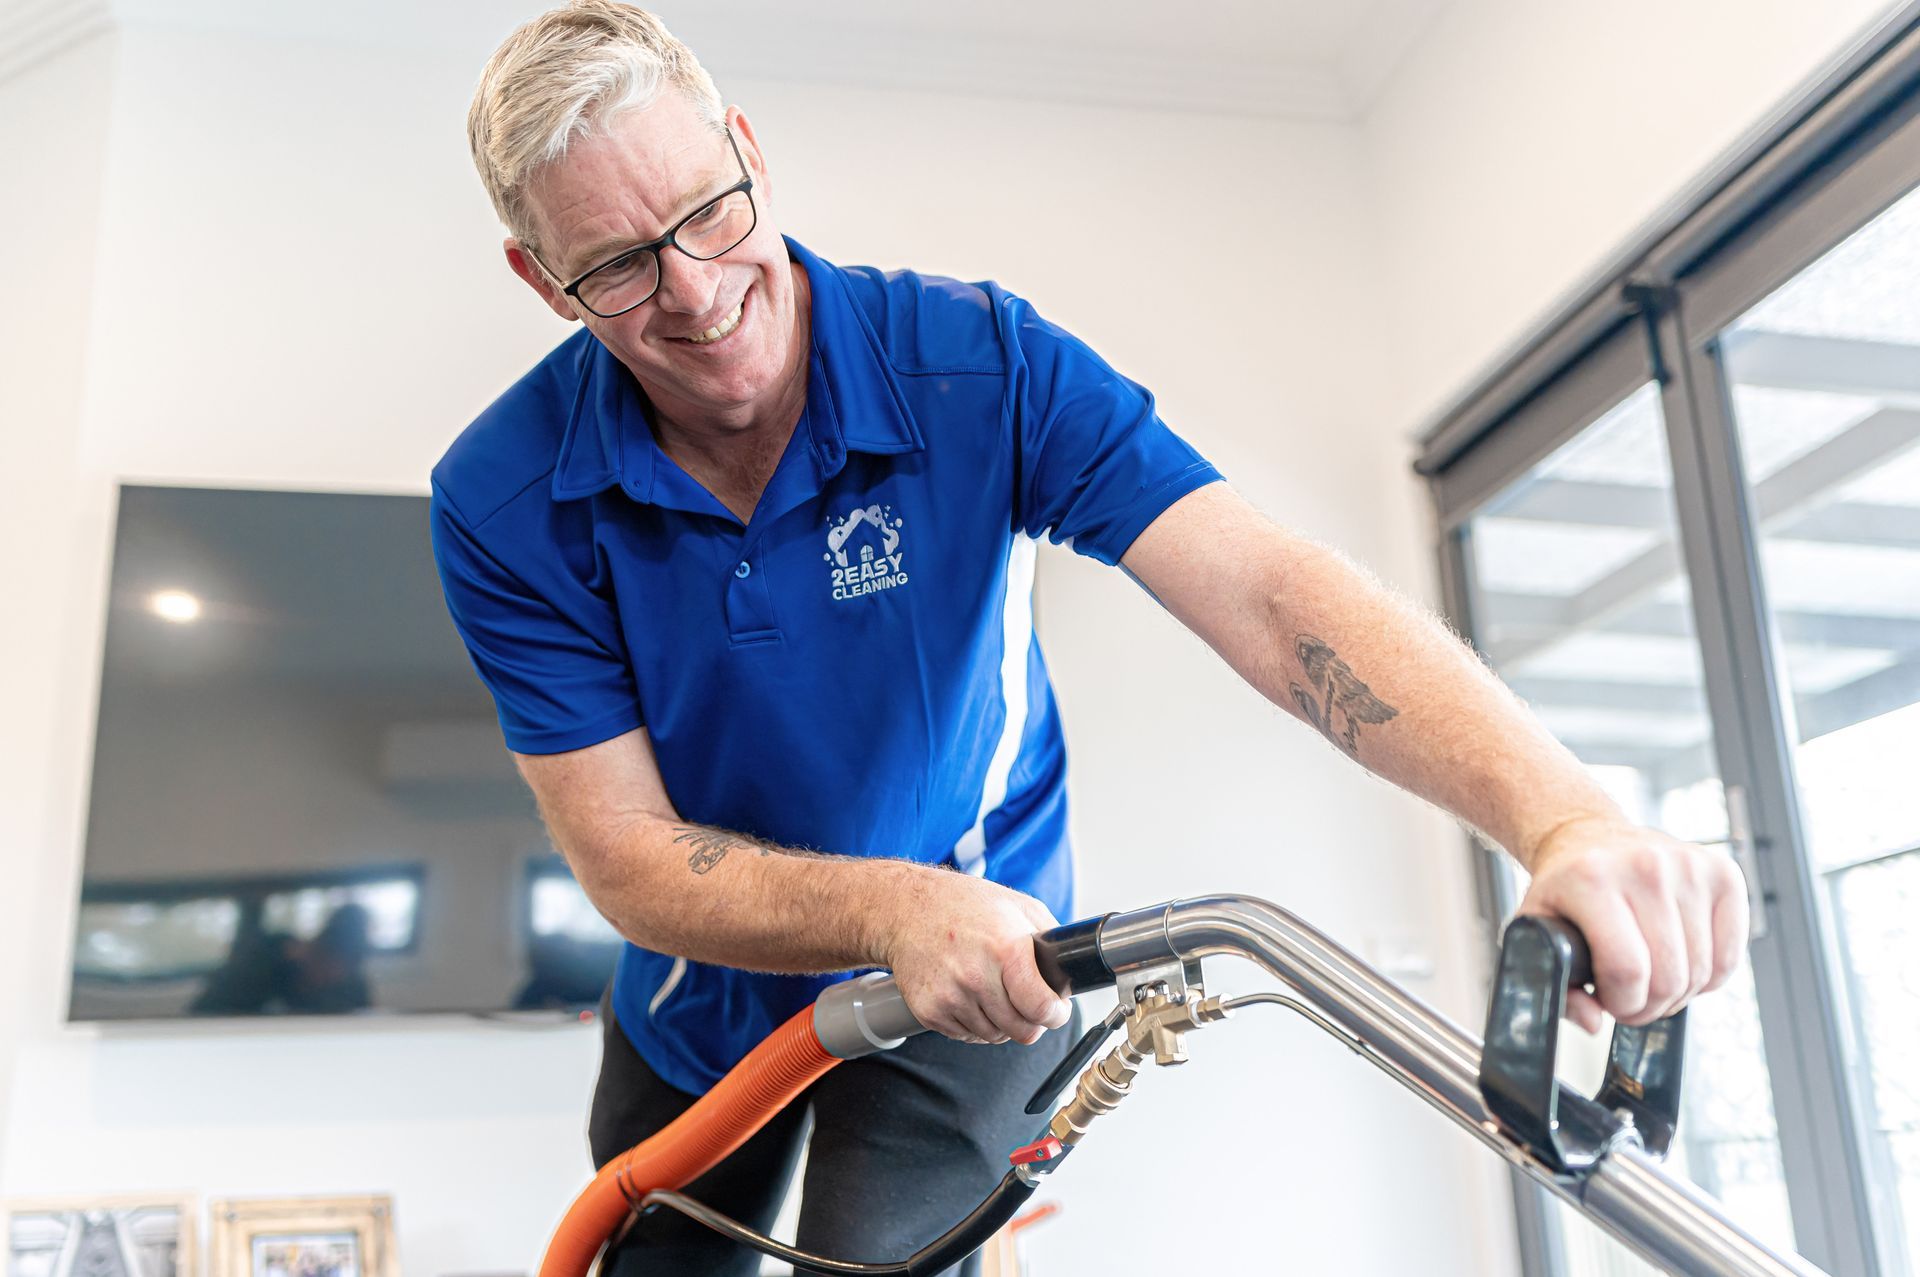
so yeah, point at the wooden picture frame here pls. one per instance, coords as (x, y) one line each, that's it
(115, 1233)
(303, 1237)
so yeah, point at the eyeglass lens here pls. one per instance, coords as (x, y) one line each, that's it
(625, 282)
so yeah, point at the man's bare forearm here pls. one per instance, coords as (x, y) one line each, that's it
(716, 896)
(1390, 686)
(960, 947)
(1393, 689)
(1377, 675)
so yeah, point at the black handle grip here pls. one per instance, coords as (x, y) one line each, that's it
(1579, 957)
(1540, 958)
(1069, 957)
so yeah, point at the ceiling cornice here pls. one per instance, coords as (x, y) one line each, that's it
(1329, 76)
(1033, 71)
(31, 31)
(1379, 45)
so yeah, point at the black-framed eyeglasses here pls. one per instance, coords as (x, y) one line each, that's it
(718, 226)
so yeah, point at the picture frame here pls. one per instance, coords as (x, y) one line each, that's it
(103, 1235)
(302, 1237)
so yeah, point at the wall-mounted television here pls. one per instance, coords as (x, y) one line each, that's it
(300, 801)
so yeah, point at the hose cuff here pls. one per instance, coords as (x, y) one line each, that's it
(860, 1016)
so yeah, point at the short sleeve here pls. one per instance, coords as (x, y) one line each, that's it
(1096, 462)
(556, 685)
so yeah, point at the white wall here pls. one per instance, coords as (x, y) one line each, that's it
(1523, 143)
(300, 287)
(58, 154)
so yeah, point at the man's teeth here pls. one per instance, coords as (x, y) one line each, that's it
(722, 328)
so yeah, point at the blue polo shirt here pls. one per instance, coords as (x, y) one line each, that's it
(854, 669)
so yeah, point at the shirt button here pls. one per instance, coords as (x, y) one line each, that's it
(744, 570)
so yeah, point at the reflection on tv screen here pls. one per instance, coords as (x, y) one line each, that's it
(300, 802)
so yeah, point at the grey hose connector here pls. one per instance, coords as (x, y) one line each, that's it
(865, 1014)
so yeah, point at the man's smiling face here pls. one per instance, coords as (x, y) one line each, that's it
(716, 341)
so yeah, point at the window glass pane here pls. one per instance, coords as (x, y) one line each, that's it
(1580, 601)
(1825, 385)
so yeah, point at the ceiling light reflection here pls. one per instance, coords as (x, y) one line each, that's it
(175, 605)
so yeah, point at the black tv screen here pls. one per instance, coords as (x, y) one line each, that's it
(300, 800)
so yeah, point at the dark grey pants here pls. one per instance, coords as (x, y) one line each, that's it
(905, 1143)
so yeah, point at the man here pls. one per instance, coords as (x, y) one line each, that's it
(746, 565)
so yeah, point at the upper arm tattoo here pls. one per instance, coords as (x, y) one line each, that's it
(1339, 689)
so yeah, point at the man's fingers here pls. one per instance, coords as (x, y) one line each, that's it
(1032, 997)
(948, 1020)
(1730, 924)
(989, 994)
(1696, 924)
(1665, 920)
(975, 1026)
(1584, 1010)
(1622, 966)
(953, 1012)
(1668, 976)
(1014, 1025)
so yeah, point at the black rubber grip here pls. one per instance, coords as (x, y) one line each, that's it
(1579, 958)
(1069, 957)
(1540, 960)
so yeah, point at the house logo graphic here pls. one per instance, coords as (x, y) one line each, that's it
(864, 549)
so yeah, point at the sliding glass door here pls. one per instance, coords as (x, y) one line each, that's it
(1580, 600)
(1693, 546)
(1824, 385)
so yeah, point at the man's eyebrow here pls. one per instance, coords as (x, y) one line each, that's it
(604, 250)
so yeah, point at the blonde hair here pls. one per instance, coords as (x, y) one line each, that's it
(561, 76)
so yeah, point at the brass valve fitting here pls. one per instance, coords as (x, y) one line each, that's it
(1157, 1026)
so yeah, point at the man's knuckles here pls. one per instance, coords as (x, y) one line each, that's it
(1651, 869)
(1621, 975)
(1666, 990)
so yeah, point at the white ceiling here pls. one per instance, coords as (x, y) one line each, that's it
(1300, 59)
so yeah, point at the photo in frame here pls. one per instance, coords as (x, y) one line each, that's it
(116, 1235)
(302, 1237)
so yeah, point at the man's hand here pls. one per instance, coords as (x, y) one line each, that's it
(1665, 920)
(961, 949)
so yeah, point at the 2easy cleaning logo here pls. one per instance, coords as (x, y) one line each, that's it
(864, 549)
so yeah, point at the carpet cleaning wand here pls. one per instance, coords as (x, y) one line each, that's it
(1601, 1155)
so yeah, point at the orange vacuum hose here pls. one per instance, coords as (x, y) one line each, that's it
(719, 1122)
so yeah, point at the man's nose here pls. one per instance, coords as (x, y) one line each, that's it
(687, 286)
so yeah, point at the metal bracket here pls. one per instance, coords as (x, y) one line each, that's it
(1650, 302)
(1182, 979)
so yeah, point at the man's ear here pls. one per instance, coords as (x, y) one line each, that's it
(529, 270)
(750, 150)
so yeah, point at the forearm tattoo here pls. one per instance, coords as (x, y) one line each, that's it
(1339, 690)
(710, 846)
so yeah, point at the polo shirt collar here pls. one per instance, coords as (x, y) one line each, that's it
(854, 404)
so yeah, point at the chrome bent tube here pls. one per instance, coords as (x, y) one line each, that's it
(1674, 1224)
(1669, 1223)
